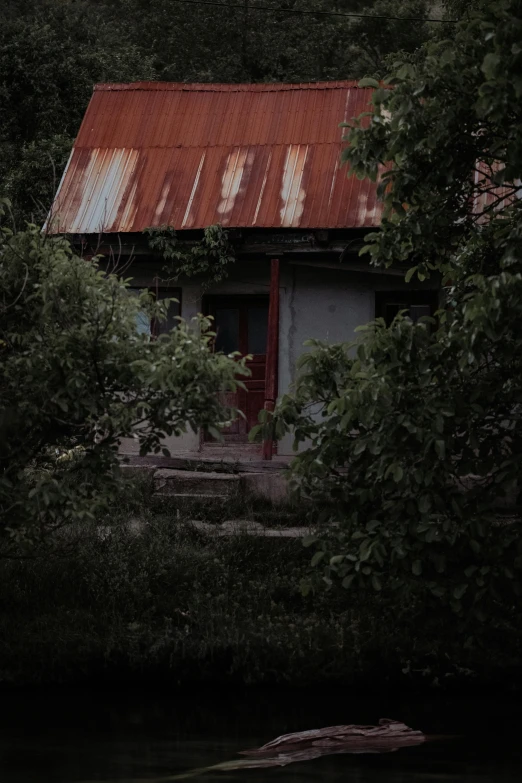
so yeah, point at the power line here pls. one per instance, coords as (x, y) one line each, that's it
(316, 13)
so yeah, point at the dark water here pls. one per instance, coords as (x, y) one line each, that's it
(57, 737)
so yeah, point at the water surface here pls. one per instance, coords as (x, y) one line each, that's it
(76, 735)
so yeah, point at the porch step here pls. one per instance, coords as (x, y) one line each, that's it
(217, 461)
(195, 484)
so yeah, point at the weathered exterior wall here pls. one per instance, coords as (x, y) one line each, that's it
(323, 303)
(190, 307)
(251, 279)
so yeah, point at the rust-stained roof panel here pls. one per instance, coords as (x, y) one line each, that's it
(191, 155)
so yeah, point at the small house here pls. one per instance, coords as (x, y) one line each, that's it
(263, 162)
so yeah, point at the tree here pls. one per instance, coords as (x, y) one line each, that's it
(415, 432)
(51, 54)
(77, 376)
(297, 41)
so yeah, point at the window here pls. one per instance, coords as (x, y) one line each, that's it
(154, 328)
(416, 303)
(226, 325)
(257, 329)
(240, 323)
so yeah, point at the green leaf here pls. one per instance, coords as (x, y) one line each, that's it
(416, 568)
(368, 82)
(490, 63)
(424, 504)
(255, 432)
(398, 474)
(459, 591)
(366, 249)
(316, 559)
(347, 581)
(376, 583)
(440, 448)
(359, 447)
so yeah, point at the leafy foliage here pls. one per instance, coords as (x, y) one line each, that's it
(207, 259)
(290, 44)
(77, 376)
(51, 54)
(414, 434)
(140, 593)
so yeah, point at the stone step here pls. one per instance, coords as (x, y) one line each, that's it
(189, 499)
(237, 527)
(187, 483)
(221, 462)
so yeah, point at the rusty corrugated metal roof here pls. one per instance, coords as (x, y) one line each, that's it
(191, 155)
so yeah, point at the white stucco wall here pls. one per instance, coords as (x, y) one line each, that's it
(326, 304)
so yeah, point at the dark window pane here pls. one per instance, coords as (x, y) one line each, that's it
(393, 309)
(257, 329)
(419, 311)
(226, 326)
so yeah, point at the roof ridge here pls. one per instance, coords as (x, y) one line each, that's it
(249, 145)
(227, 87)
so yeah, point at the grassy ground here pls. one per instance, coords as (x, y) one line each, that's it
(161, 600)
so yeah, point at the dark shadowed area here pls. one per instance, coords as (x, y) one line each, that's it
(81, 735)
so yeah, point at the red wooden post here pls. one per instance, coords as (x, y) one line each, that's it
(272, 350)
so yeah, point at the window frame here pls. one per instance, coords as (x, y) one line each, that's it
(169, 293)
(241, 302)
(410, 297)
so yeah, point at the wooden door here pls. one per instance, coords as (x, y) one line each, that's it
(241, 324)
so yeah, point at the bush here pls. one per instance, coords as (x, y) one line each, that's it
(77, 376)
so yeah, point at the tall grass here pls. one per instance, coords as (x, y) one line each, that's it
(142, 594)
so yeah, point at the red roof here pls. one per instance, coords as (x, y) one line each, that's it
(191, 155)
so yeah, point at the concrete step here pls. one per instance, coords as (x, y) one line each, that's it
(195, 484)
(223, 461)
(189, 499)
(238, 527)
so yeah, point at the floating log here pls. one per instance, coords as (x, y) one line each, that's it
(387, 736)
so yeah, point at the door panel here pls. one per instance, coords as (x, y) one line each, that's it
(241, 324)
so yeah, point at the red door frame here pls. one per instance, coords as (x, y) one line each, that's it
(272, 351)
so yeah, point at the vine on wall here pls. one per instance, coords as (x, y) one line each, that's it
(209, 259)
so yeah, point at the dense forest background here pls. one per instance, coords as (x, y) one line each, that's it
(52, 52)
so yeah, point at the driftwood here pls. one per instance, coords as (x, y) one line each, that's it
(389, 735)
